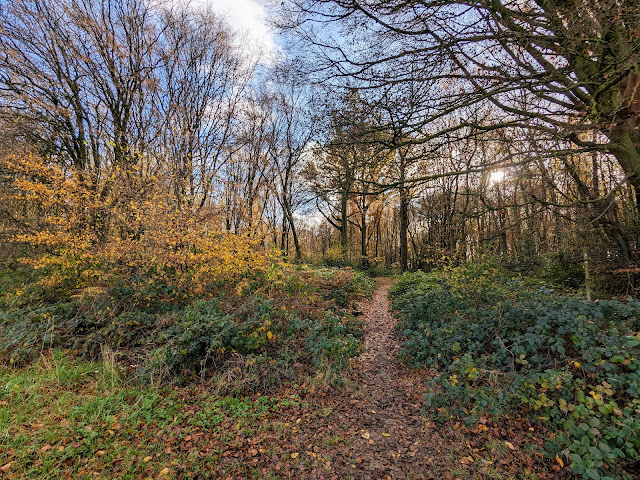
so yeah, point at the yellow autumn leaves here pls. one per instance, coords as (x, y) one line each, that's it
(131, 224)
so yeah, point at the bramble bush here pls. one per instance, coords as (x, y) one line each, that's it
(499, 342)
(265, 323)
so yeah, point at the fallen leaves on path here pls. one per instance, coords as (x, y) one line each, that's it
(373, 426)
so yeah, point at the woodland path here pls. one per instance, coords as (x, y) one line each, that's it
(374, 426)
(380, 416)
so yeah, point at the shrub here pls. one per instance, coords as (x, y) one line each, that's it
(250, 332)
(337, 338)
(499, 341)
(26, 332)
(563, 268)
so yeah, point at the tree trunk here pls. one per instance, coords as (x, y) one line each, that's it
(296, 243)
(343, 224)
(404, 219)
(283, 235)
(294, 231)
(363, 239)
(625, 146)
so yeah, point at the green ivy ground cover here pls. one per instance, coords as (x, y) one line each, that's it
(500, 342)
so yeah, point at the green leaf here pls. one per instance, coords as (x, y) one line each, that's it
(632, 342)
(593, 474)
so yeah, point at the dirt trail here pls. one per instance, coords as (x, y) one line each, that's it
(373, 426)
(389, 438)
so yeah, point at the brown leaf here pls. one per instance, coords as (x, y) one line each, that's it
(509, 445)
(5, 468)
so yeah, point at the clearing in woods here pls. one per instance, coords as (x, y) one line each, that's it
(61, 421)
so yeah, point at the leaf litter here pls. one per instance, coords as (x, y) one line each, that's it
(374, 426)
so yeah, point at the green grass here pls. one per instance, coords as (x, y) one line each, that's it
(62, 418)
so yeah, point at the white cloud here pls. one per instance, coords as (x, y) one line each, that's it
(250, 19)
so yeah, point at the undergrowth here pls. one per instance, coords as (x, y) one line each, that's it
(256, 331)
(500, 342)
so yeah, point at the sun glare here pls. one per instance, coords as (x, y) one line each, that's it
(496, 176)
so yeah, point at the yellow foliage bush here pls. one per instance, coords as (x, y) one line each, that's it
(127, 224)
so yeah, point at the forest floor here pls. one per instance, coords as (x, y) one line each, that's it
(66, 419)
(386, 435)
(384, 432)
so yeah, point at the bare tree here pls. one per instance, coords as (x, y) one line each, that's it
(568, 70)
(295, 125)
(122, 91)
